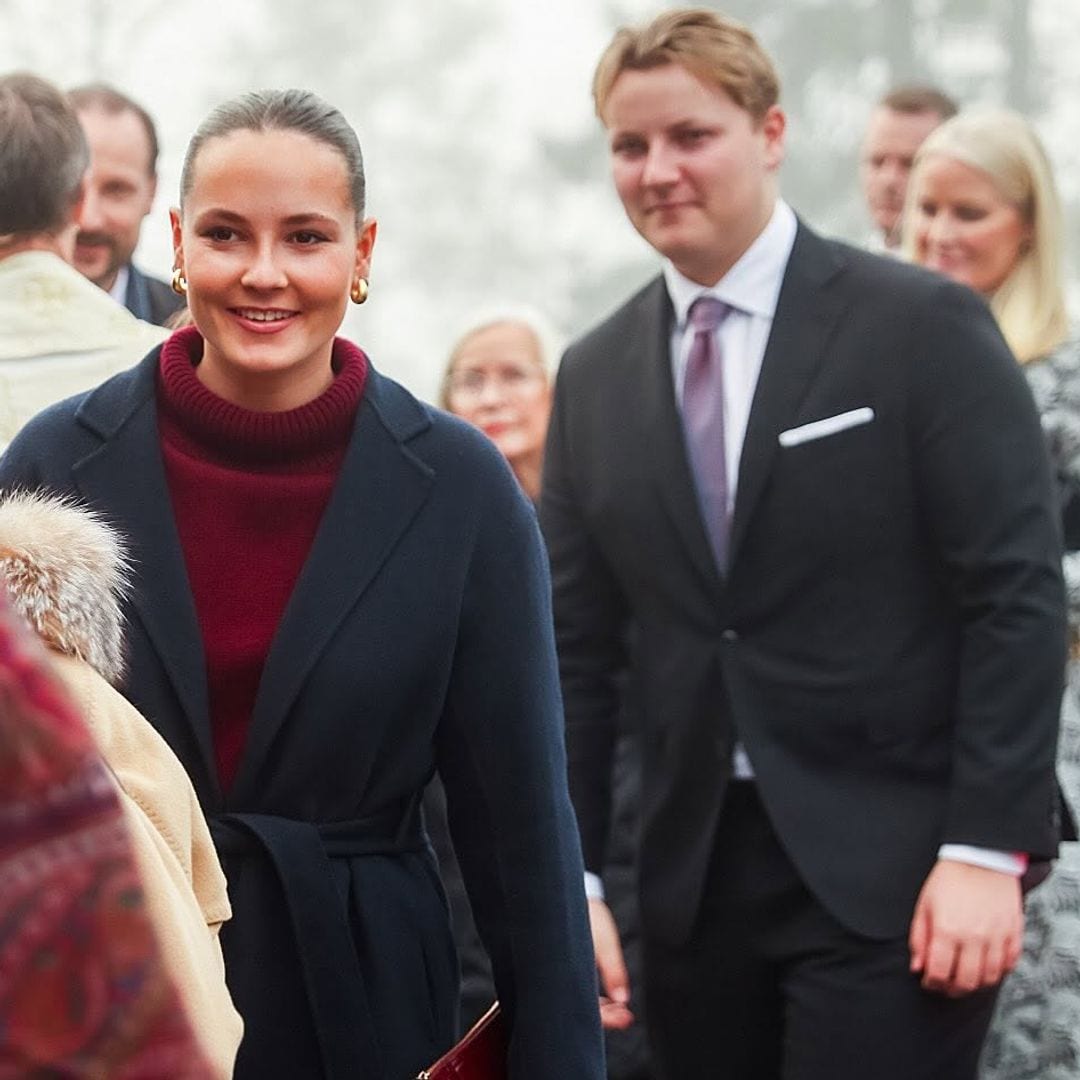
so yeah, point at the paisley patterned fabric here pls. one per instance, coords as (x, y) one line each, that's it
(82, 988)
(1036, 1033)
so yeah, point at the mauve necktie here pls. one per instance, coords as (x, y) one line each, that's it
(703, 421)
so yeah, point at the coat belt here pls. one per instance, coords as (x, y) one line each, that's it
(300, 853)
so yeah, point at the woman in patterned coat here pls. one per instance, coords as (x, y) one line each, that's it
(983, 209)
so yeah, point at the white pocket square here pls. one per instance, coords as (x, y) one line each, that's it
(830, 425)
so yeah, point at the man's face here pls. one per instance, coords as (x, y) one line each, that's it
(695, 172)
(888, 151)
(119, 193)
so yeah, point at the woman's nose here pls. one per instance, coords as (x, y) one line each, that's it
(492, 391)
(264, 271)
(941, 228)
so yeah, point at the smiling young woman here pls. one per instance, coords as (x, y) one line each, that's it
(268, 279)
(337, 592)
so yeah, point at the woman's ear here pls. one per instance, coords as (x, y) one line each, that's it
(176, 226)
(365, 243)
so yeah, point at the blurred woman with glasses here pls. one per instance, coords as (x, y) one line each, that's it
(499, 378)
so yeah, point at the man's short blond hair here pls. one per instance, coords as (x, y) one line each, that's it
(717, 49)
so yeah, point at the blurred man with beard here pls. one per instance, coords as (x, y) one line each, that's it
(120, 190)
(58, 334)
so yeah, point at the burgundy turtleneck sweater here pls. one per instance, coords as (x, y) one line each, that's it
(248, 491)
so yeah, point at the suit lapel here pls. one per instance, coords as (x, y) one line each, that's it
(125, 479)
(663, 438)
(378, 492)
(807, 313)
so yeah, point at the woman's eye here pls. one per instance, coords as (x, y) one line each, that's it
(219, 233)
(306, 237)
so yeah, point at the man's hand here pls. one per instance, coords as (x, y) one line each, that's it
(968, 928)
(614, 982)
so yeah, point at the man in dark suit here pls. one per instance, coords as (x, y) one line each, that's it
(119, 193)
(814, 482)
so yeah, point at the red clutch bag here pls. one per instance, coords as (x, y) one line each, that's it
(481, 1054)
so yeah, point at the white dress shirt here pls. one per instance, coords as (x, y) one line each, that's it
(119, 289)
(750, 288)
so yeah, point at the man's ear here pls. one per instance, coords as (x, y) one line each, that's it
(75, 215)
(774, 127)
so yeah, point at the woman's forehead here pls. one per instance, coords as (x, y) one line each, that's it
(290, 166)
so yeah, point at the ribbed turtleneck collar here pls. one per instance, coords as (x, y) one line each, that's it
(227, 431)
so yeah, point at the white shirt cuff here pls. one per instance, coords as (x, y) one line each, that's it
(1005, 862)
(594, 887)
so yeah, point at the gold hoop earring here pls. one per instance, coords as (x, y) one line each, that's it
(359, 291)
(178, 282)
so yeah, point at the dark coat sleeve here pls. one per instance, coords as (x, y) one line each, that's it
(986, 488)
(503, 764)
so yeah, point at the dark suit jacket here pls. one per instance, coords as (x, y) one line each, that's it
(888, 643)
(149, 299)
(418, 636)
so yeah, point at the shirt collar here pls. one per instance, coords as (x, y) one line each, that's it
(119, 289)
(752, 285)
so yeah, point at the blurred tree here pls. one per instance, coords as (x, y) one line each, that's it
(98, 38)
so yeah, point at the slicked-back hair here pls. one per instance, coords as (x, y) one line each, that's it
(281, 110)
(918, 98)
(718, 50)
(107, 99)
(43, 156)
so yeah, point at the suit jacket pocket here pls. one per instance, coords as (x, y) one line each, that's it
(826, 426)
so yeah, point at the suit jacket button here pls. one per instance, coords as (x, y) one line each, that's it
(729, 636)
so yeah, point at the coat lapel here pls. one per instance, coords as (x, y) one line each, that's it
(125, 479)
(379, 491)
(663, 441)
(807, 312)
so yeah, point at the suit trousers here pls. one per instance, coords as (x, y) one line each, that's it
(771, 987)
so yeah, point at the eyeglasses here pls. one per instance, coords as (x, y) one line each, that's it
(510, 380)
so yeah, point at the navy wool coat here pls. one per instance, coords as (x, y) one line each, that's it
(417, 638)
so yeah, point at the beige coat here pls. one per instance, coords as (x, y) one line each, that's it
(64, 570)
(59, 335)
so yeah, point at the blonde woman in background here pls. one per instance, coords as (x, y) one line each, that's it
(983, 209)
(499, 378)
